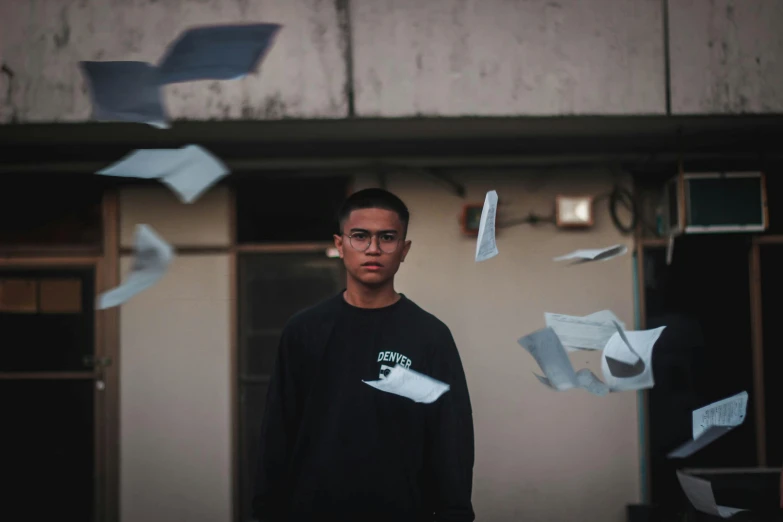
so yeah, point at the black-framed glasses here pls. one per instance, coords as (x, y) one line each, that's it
(388, 242)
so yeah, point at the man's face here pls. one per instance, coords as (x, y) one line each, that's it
(383, 231)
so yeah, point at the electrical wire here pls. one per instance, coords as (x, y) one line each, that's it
(620, 195)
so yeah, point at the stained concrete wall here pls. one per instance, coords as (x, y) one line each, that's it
(726, 56)
(388, 58)
(499, 57)
(303, 77)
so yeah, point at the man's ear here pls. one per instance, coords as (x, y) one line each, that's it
(338, 244)
(405, 249)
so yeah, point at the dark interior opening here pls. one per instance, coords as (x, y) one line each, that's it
(49, 209)
(703, 355)
(288, 209)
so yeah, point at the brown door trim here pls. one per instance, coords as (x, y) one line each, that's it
(40, 376)
(49, 262)
(757, 347)
(109, 349)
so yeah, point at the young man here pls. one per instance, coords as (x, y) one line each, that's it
(334, 448)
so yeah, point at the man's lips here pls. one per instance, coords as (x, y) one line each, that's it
(372, 266)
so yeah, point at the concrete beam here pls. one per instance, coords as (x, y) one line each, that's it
(511, 58)
(726, 56)
(42, 41)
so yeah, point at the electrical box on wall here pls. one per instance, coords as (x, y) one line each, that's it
(715, 203)
(470, 218)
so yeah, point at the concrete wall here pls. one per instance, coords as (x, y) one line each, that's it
(393, 58)
(495, 57)
(540, 454)
(45, 39)
(726, 56)
(175, 411)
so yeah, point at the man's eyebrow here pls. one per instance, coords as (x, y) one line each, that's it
(387, 231)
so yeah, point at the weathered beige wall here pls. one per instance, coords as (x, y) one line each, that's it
(540, 454)
(495, 57)
(407, 57)
(304, 76)
(726, 56)
(204, 223)
(175, 410)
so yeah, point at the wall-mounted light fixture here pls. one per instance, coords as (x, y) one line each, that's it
(574, 211)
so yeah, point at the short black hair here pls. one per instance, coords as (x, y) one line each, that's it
(374, 198)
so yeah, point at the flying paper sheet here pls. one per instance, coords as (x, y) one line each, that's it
(590, 382)
(590, 332)
(152, 258)
(188, 171)
(712, 422)
(699, 492)
(584, 379)
(594, 254)
(485, 244)
(125, 91)
(546, 349)
(222, 52)
(410, 384)
(627, 359)
(726, 412)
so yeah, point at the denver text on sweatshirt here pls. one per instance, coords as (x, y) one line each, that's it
(334, 448)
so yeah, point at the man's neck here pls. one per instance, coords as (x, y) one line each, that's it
(361, 296)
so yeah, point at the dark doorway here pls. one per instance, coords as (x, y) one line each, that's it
(47, 393)
(771, 283)
(703, 355)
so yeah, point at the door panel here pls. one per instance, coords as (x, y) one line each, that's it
(47, 450)
(47, 393)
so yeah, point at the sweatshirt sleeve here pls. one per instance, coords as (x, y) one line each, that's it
(450, 434)
(278, 431)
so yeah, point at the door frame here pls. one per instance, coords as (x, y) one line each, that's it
(104, 259)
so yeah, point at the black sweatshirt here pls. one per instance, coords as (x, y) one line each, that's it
(335, 448)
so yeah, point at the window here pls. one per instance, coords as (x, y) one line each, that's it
(49, 210)
(287, 210)
(46, 320)
(42, 296)
(272, 287)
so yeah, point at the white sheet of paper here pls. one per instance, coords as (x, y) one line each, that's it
(699, 492)
(594, 254)
(219, 52)
(485, 244)
(152, 258)
(726, 412)
(590, 382)
(709, 436)
(642, 343)
(549, 353)
(410, 384)
(189, 171)
(590, 332)
(712, 422)
(125, 91)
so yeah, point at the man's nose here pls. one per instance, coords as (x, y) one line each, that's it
(375, 246)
